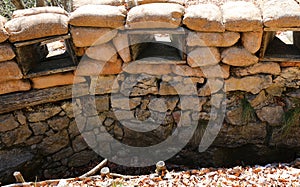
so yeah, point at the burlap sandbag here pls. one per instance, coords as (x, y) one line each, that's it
(139, 2)
(38, 10)
(79, 3)
(155, 15)
(105, 52)
(279, 13)
(99, 16)
(6, 52)
(36, 26)
(204, 17)
(89, 36)
(3, 32)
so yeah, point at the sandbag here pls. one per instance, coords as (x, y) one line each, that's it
(155, 15)
(6, 52)
(279, 13)
(36, 26)
(139, 2)
(89, 36)
(79, 3)
(38, 10)
(204, 17)
(10, 71)
(98, 16)
(105, 52)
(3, 32)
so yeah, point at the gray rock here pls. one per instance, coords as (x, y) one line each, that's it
(7, 122)
(43, 113)
(90, 138)
(59, 123)
(158, 104)
(102, 103)
(20, 117)
(62, 154)
(235, 136)
(39, 128)
(82, 158)
(16, 136)
(13, 158)
(54, 142)
(79, 144)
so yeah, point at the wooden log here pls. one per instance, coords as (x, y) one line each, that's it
(95, 169)
(15, 101)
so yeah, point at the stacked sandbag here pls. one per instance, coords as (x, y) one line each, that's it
(155, 15)
(95, 33)
(78, 3)
(10, 73)
(37, 23)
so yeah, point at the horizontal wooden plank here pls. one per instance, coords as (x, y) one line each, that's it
(179, 30)
(43, 40)
(15, 101)
(281, 29)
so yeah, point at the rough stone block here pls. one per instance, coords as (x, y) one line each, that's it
(8, 122)
(271, 115)
(204, 17)
(55, 80)
(3, 33)
(98, 16)
(204, 56)
(252, 40)
(238, 56)
(36, 26)
(236, 136)
(10, 71)
(105, 52)
(54, 143)
(104, 85)
(121, 44)
(262, 67)
(280, 14)
(41, 114)
(90, 36)
(6, 52)
(14, 86)
(16, 136)
(241, 16)
(253, 84)
(289, 77)
(210, 39)
(155, 15)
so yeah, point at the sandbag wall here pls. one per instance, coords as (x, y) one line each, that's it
(260, 96)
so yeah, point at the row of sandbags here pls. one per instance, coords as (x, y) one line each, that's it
(238, 16)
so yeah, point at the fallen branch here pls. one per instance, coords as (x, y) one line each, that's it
(95, 169)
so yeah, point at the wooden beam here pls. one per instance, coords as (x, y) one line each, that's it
(16, 101)
(179, 30)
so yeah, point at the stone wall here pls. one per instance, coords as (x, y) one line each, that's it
(222, 43)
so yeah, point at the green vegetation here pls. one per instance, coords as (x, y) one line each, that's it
(291, 118)
(248, 112)
(7, 7)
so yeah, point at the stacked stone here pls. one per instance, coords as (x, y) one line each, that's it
(10, 76)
